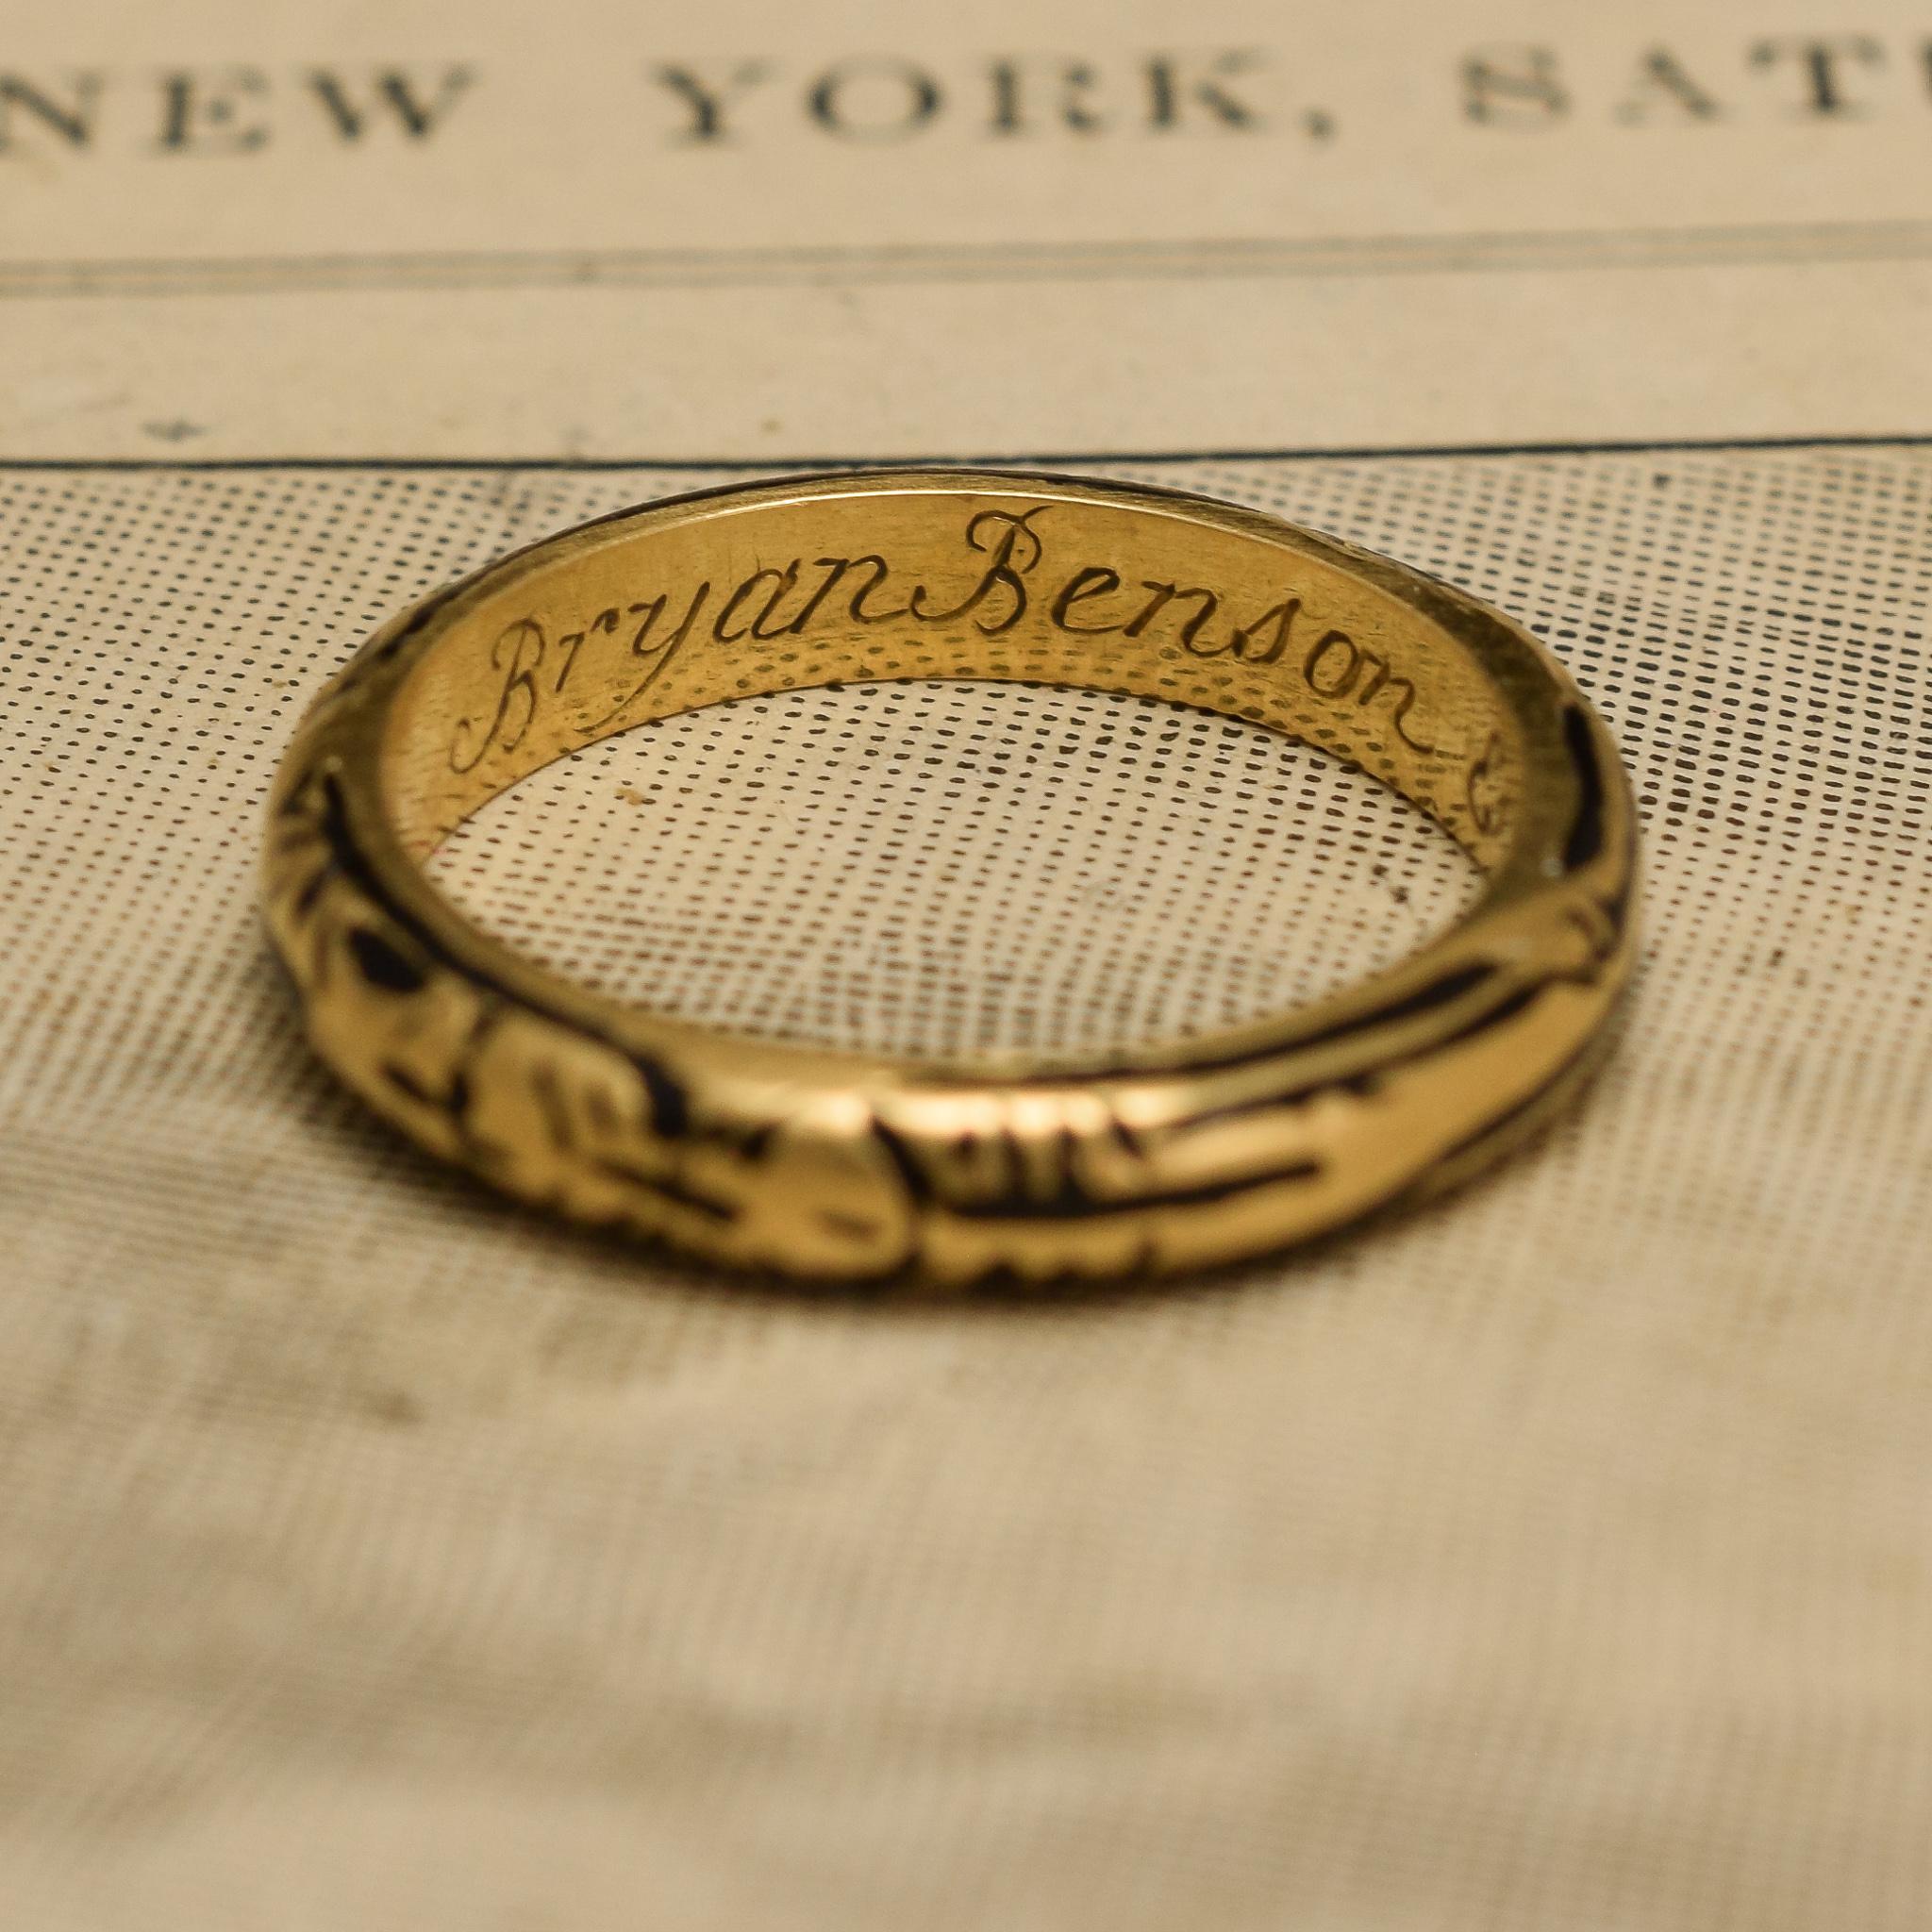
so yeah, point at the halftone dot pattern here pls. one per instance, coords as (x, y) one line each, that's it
(374, 1552)
(937, 868)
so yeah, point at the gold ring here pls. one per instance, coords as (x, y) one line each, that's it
(835, 1164)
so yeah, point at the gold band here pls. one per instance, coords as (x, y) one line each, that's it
(826, 1163)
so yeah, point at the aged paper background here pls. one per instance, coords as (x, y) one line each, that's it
(857, 230)
(375, 1554)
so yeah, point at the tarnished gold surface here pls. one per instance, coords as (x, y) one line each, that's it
(825, 1163)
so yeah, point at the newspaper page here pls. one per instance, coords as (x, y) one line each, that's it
(375, 1554)
(768, 233)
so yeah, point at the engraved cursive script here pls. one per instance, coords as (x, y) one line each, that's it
(534, 663)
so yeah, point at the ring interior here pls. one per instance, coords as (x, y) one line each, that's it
(664, 609)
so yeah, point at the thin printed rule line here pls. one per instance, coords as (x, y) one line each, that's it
(1770, 243)
(774, 464)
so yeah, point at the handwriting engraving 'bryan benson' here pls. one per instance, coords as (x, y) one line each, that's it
(535, 664)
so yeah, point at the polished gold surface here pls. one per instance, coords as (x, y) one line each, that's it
(824, 1163)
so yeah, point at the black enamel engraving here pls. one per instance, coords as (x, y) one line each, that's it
(381, 964)
(1587, 833)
